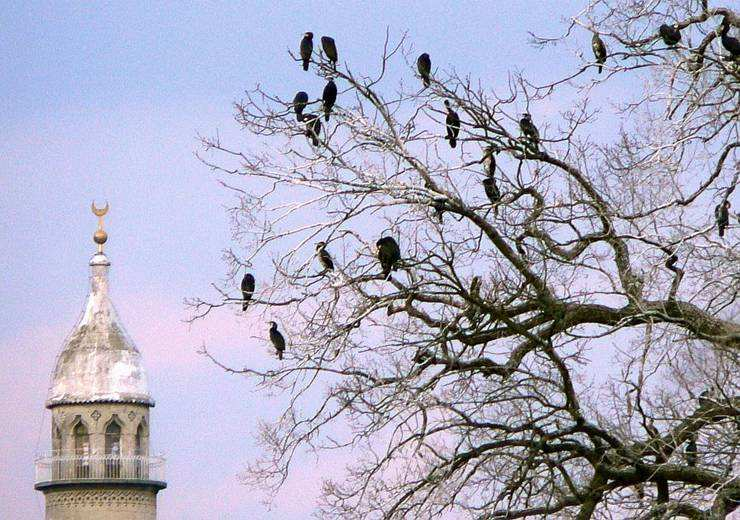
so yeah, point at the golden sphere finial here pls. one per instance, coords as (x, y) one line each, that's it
(100, 236)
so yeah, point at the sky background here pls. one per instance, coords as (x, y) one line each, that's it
(105, 101)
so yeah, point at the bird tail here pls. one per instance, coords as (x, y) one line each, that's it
(244, 306)
(326, 114)
(315, 139)
(721, 232)
(600, 67)
(280, 355)
(305, 64)
(426, 81)
(299, 116)
(453, 142)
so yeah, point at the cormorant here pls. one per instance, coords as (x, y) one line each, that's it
(324, 257)
(439, 207)
(670, 263)
(491, 189)
(530, 131)
(732, 45)
(278, 341)
(329, 97)
(453, 124)
(299, 103)
(424, 66)
(313, 128)
(489, 160)
(597, 44)
(691, 451)
(330, 49)
(247, 289)
(722, 214)
(389, 255)
(306, 49)
(670, 34)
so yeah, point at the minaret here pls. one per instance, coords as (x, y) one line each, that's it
(99, 466)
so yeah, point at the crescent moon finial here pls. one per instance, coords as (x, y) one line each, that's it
(100, 212)
(100, 236)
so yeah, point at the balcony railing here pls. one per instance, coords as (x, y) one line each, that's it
(98, 467)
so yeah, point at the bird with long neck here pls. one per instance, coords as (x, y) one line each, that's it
(324, 257)
(424, 66)
(306, 49)
(277, 339)
(599, 48)
(452, 124)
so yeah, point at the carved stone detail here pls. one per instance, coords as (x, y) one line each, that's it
(96, 501)
(95, 415)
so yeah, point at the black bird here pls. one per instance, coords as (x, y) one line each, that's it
(389, 255)
(597, 44)
(424, 66)
(278, 341)
(670, 34)
(324, 257)
(329, 97)
(489, 160)
(670, 263)
(453, 124)
(313, 128)
(306, 49)
(439, 207)
(491, 189)
(691, 452)
(732, 45)
(530, 131)
(330, 49)
(247, 290)
(722, 214)
(299, 103)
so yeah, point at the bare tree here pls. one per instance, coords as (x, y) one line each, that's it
(566, 347)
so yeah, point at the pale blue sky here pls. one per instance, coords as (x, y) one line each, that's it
(104, 101)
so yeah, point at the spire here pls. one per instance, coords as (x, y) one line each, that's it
(99, 362)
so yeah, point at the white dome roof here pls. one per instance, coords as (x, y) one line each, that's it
(99, 362)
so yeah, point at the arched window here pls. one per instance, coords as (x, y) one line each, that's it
(56, 446)
(113, 450)
(56, 441)
(82, 450)
(82, 439)
(140, 443)
(113, 439)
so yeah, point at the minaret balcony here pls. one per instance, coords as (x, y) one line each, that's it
(61, 470)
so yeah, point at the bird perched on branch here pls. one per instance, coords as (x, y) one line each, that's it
(597, 44)
(277, 339)
(438, 203)
(299, 104)
(389, 255)
(670, 262)
(324, 257)
(529, 131)
(306, 49)
(329, 97)
(330, 49)
(491, 189)
(670, 34)
(453, 124)
(722, 215)
(424, 66)
(732, 45)
(313, 128)
(247, 288)
(691, 451)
